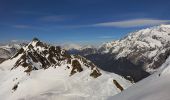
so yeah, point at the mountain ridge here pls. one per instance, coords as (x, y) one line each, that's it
(45, 69)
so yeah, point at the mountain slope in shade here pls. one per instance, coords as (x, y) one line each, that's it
(39, 71)
(155, 87)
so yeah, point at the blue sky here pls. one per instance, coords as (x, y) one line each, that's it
(78, 21)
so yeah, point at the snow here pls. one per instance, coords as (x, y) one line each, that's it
(152, 53)
(8, 64)
(54, 83)
(4, 54)
(6, 51)
(142, 38)
(163, 25)
(146, 44)
(154, 87)
(34, 43)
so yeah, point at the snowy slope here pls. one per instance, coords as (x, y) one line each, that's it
(155, 87)
(43, 72)
(146, 45)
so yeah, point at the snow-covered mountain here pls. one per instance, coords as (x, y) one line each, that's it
(8, 50)
(154, 87)
(39, 71)
(150, 47)
(137, 55)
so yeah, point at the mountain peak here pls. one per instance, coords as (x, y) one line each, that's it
(35, 39)
(38, 55)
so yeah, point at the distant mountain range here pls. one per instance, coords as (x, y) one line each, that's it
(137, 55)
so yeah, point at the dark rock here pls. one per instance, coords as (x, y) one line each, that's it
(96, 73)
(76, 66)
(15, 87)
(118, 85)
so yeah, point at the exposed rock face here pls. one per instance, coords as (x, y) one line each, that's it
(118, 85)
(76, 66)
(38, 55)
(96, 73)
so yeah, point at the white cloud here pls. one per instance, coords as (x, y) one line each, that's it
(132, 23)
